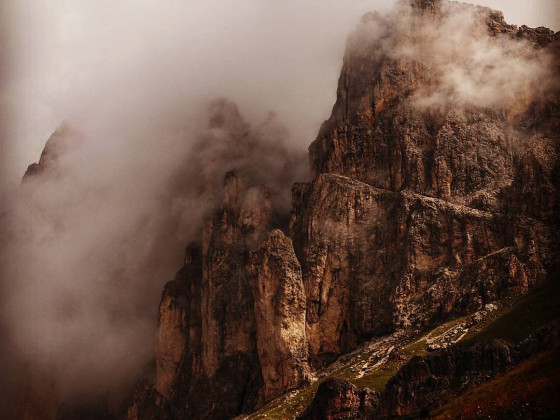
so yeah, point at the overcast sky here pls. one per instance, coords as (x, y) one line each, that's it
(62, 56)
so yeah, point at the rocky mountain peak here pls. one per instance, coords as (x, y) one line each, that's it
(225, 115)
(433, 197)
(57, 144)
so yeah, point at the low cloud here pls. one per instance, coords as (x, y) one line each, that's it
(461, 63)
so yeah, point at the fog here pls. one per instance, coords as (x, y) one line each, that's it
(88, 244)
(278, 55)
(461, 63)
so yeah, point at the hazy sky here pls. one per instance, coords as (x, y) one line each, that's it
(59, 58)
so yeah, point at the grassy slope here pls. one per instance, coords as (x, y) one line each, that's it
(379, 378)
(515, 323)
(288, 407)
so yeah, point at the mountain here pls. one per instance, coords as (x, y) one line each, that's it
(419, 264)
(429, 201)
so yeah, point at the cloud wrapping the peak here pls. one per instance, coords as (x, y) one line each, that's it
(461, 62)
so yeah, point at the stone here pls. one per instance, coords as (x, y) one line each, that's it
(279, 310)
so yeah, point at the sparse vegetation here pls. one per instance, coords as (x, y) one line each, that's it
(378, 379)
(288, 406)
(524, 385)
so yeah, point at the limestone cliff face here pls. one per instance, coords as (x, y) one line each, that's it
(229, 353)
(375, 260)
(399, 123)
(232, 325)
(439, 204)
(279, 315)
(179, 333)
(429, 200)
(231, 331)
(436, 191)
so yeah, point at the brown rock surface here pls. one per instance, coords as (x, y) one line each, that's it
(279, 315)
(389, 128)
(457, 204)
(218, 337)
(430, 200)
(178, 337)
(374, 260)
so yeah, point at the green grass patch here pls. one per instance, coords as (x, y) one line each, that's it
(285, 407)
(378, 379)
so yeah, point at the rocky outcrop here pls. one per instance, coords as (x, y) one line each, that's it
(179, 328)
(340, 400)
(55, 147)
(436, 192)
(391, 127)
(374, 260)
(279, 315)
(229, 353)
(231, 331)
(336, 223)
(426, 202)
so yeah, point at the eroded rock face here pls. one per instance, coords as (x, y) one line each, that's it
(374, 260)
(179, 328)
(279, 315)
(430, 199)
(336, 224)
(229, 352)
(231, 331)
(394, 128)
(457, 200)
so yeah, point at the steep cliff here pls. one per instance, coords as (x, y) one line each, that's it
(445, 216)
(423, 104)
(279, 315)
(231, 331)
(435, 194)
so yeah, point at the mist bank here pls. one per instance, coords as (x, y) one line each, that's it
(101, 223)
